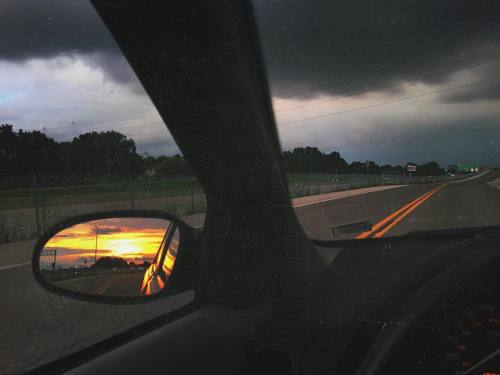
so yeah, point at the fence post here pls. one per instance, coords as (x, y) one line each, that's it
(36, 205)
(131, 189)
(192, 196)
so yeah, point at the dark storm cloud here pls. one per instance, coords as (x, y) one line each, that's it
(311, 46)
(42, 29)
(486, 92)
(345, 46)
(107, 230)
(115, 67)
(489, 90)
(46, 28)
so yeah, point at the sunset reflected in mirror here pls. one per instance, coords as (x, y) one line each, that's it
(120, 257)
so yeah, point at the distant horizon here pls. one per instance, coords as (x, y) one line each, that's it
(178, 152)
(391, 92)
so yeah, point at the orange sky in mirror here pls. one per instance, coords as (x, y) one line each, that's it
(130, 239)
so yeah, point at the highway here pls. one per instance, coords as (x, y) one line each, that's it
(471, 203)
(38, 326)
(117, 284)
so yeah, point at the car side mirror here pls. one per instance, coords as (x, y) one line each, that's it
(129, 256)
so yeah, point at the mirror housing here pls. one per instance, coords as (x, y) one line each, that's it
(97, 257)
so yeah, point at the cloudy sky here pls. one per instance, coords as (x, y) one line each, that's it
(390, 81)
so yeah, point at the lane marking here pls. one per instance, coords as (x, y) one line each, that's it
(104, 287)
(406, 213)
(326, 197)
(481, 174)
(382, 222)
(409, 206)
(10, 266)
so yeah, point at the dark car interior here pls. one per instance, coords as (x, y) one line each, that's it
(269, 300)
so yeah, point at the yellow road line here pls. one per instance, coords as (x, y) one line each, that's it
(381, 223)
(407, 212)
(409, 206)
(101, 289)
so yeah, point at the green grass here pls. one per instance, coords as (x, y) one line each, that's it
(179, 184)
(297, 178)
(167, 185)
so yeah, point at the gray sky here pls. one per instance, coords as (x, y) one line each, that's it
(390, 81)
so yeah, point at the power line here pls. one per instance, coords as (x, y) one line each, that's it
(391, 101)
(338, 97)
(102, 123)
(75, 131)
(164, 131)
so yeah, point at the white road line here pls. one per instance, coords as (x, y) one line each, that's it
(308, 200)
(495, 183)
(10, 266)
(321, 198)
(481, 174)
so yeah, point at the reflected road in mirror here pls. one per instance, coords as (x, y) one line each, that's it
(119, 257)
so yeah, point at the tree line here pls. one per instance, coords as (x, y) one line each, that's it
(312, 160)
(114, 155)
(107, 153)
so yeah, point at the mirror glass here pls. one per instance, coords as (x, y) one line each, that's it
(119, 257)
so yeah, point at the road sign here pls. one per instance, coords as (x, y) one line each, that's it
(49, 252)
(411, 168)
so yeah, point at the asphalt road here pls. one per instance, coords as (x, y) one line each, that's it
(471, 203)
(116, 284)
(37, 326)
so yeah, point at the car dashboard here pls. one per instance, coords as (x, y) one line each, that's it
(425, 304)
(454, 336)
(410, 305)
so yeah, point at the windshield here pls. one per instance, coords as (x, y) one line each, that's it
(388, 114)
(78, 134)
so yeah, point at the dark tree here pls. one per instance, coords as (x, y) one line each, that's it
(107, 153)
(8, 153)
(36, 153)
(29, 152)
(312, 160)
(394, 170)
(430, 169)
(107, 263)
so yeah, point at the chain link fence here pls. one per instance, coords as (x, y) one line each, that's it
(31, 205)
(319, 184)
(26, 212)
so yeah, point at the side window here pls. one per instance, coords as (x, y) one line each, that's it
(161, 249)
(78, 134)
(171, 254)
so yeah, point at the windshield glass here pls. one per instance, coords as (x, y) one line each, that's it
(388, 116)
(78, 134)
(388, 113)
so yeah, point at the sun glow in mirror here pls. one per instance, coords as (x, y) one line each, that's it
(121, 257)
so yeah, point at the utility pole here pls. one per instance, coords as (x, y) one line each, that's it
(96, 234)
(108, 164)
(36, 205)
